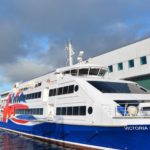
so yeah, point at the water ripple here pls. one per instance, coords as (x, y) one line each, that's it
(9, 141)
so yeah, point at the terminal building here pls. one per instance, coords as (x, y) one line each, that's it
(131, 62)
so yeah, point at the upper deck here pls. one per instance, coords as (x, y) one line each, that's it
(83, 70)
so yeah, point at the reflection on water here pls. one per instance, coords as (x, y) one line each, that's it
(9, 141)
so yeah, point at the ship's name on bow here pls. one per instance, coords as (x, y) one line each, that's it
(131, 128)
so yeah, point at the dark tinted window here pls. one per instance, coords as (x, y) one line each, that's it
(39, 84)
(60, 91)
(34, 111)
(83, 71)
(29, 96)
(41, 111)
(54, 92)
(38, 111)
(90, 110)
(65, 90)
(71, 89)
(93, 71)
(146, 108)
(74, 72)
(58, 111)
(76, 110)
(69, 110)
(67, 72)
(36, 95)
(26, 96)
(51, 92)
(114, 87)
(64, 112)
(76, 88)
(82, 110)
(39, 94)
(33, 96)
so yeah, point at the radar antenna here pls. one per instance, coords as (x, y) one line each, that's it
(80, 56)
(70, 53)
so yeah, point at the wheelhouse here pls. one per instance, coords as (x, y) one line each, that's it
(83, 70)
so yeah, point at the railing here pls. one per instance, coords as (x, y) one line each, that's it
(128, 110)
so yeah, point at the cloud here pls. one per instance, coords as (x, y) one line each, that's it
(24, 69)
(9, 42)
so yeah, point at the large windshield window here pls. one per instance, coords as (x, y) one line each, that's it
(93, 71)
(83, 71)
(114, 87)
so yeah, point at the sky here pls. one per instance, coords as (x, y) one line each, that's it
(33, 33)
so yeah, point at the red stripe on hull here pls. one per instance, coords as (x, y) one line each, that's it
(19, 121)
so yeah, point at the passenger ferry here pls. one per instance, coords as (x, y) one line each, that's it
(77, 106)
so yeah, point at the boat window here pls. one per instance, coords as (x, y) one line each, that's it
(75, 110)
(51, 92)
(115, 87)
(32, 111)
(29, 96)
(38, 111)
(94, 71)
(83, 71)
(90, 110)
(64, 111)
(102, 72)
(54, 92)
(82, 110)
(71, 89)
(60, 91)
(39, 84)
(67, 72)
(65, 90)
(76, 88)
(146, 108)
(41, 111)
(69, 110)
(74, 72)
(33, 95)
(39, 94)
(58, 111)
(36, 95)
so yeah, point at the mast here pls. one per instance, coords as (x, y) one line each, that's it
(70, 53)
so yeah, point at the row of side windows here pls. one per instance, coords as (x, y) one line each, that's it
(63, 90)
(76, 111)
(143, 61)
(33, 95)
(33, 111)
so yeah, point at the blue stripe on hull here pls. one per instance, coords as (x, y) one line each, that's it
(131, 137)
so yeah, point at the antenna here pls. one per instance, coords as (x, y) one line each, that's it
(80, 56)
(70, 53)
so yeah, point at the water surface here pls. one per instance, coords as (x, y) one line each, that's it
(11, 141)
